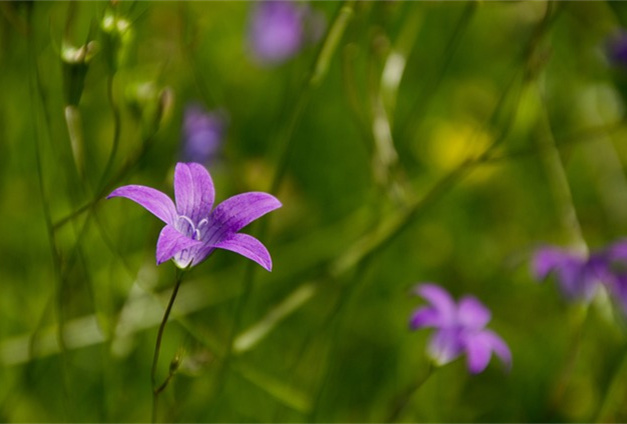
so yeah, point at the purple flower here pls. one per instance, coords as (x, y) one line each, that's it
(616, 49)
(192, 229)
(577, 275)
(460, 328)
(202, 134)
(279, 29)
(580, 276)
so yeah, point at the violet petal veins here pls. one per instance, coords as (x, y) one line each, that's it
(192, 229)
(459, 328)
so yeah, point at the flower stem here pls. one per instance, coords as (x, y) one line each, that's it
(117, 122)
(404, 398)
(611, 398)
(157, 389)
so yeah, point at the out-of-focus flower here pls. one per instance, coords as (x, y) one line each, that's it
(192, 229)
(279, 29)
(203, 133)
(150, 104)
(577, 274)
(460, 328)
(117, 35)
(75, 63)
(580, 276)
(616, 49)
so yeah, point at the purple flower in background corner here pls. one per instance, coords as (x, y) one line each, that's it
(192, 229)
(460, 328)
(203, 133)
(279, 29)
(616, 49)
(580, 276)
(577, 275)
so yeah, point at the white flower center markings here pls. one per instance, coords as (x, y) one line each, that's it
(192, 230)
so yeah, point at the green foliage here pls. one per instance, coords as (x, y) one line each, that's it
(417, 141)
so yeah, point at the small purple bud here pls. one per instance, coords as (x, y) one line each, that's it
(203, 133)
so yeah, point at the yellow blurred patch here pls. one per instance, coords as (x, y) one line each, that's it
(452, 143)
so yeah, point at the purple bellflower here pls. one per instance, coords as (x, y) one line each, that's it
(460, 328)
(193, 230)
(577, 274)
(580, 276)
(279, 29)
(203, 133)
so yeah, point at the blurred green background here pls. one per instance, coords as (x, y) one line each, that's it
(415, 141)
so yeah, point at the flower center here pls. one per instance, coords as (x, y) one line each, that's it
(186, 226)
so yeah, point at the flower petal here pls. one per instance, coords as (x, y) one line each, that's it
(441, 301)
(237, 212)
(171, 242)
(479, 347)
(249, 247)
(478, 352)
(193, 190)
(472, 313)
(445, 345)
(618, 250)
(426, 316)
(570, 269)
(499, 347)
(549, 259)
(156, 202)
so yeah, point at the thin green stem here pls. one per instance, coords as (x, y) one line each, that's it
(612, 396)
(403, 400)
(317, 73)
(117, 122)
(157, 389)
(573, 350)
(335, 322)
(35, 86)
(558, 182)
(105, 188)
(422, 101)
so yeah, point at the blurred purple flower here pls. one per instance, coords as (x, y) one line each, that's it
(616, 49)
(203, 133)
(460, 328)
(279, 29)
(192, 229)
(577, 275)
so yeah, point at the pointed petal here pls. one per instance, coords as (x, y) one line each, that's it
(549, 259)
(472, 313)
(478, 352)
(249, 247)
(569, 268)
(441, 301)
(618, 251)
(479, 347)
(499, 347)
(171, 242)
(445, 345)
(237, 212)
(193, 190)
(424, 317)
(156, 202)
